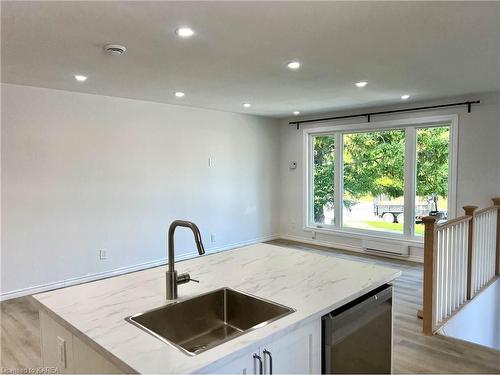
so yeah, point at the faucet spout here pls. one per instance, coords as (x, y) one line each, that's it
(172, 279)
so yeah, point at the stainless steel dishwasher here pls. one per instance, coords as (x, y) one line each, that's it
(357, 338)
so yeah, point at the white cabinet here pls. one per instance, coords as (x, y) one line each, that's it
(244, 364)
(298, 352)
(66, 352)
(88, 361)
(57, 345)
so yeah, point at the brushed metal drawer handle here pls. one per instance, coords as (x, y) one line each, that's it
(267, 352)
(256, 356)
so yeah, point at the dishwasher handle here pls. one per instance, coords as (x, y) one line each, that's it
(376, 297)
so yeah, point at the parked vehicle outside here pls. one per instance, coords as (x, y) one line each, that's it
(394, 213)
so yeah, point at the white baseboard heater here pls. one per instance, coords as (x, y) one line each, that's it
(389, 248)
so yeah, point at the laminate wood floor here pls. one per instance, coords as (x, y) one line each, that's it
(413, 352)
(20, 334)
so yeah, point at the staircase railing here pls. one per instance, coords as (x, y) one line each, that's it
(461, 257)
(484, 255)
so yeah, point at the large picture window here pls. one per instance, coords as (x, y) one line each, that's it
(374, 180)
(380, 181)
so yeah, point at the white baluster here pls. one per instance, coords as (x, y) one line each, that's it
(449, 271)
(464, 261)
(484, 251)
(453, 267)
(443, 275)
(439, 275)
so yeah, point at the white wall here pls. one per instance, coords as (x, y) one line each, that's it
(478, 163)
(82, 172)
(479, 320)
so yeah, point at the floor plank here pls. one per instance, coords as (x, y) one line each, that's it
(20, 334)
(413, 352)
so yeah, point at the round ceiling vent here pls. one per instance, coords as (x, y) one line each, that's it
(114, 49)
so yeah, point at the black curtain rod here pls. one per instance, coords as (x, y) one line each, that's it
(368, 115)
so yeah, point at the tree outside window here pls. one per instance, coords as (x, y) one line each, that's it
(373, 177)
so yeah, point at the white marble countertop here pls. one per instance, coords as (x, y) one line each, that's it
(311, 283)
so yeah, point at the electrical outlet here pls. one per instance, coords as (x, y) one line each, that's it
(211, 162)
(213, 238)
(103, 254)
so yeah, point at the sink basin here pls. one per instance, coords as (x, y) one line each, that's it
(200, 323)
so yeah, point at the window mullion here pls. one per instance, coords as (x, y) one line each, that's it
(309, 208)
(338, 179)
(410, 181)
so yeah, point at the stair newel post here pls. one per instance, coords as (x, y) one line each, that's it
(496, 202)
(469, 211)
(430, 252)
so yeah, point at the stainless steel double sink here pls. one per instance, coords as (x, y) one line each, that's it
(197, 324)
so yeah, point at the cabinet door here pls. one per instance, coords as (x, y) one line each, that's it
(299, 352)
(244, 364)
(88, 361)
(57, 345)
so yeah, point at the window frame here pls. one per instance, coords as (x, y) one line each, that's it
(410, 126)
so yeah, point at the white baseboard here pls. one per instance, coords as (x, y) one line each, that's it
(122, 270)
(357, 249)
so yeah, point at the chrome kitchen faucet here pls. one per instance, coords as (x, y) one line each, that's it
(172, 279)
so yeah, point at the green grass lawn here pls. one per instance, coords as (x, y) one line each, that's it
(397, 227)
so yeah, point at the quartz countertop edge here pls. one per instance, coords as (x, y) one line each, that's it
(311, 282)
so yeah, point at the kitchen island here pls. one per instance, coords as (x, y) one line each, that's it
(83, 327)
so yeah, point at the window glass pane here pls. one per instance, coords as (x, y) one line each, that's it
(374, 180)
(323, 170)
(432, 174)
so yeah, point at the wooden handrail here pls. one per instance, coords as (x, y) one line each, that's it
(486, 209)
(452, 222)
(430, 252)
(469, 211)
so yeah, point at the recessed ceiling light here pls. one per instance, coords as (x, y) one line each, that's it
(247, 105)
(80, 78)
(293, 65)
(404, 97)
(179, 94)
(361, 84)
(184, 32)
(296, 113)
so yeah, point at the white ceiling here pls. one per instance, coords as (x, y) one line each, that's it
(240, 51)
